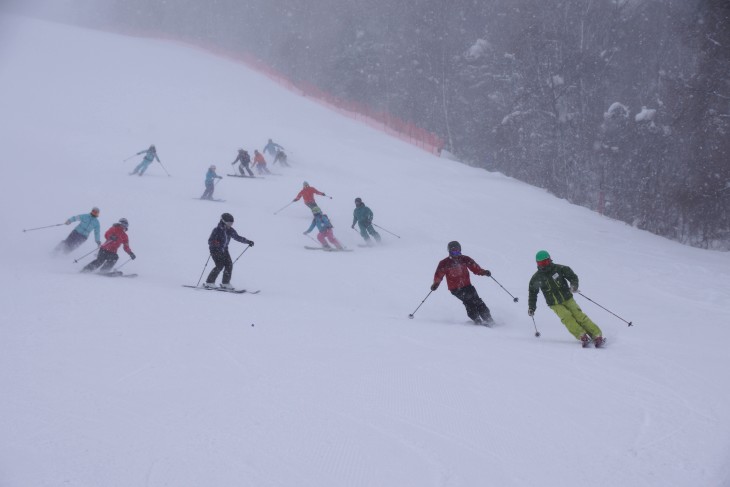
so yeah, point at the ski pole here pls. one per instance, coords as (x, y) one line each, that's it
(244, 251)
(41, 228)
(424, 300)
(277, 211)
(128, 158)
(310, 237)
(513, 298)
(383, 229)
(537, 333)
(201, 274)
(617, 316)
(85, 255)
(163, 167)
(125, 263)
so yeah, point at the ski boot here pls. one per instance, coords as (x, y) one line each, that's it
(599, 341)
(585, 340)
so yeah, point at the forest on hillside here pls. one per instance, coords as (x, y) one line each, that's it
(622, 106)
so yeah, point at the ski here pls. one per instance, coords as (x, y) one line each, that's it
(327, 250)
(234, 291)
(116, 274)
(210, 199)
(247, 177)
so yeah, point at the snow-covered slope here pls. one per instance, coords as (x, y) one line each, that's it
(320, 380)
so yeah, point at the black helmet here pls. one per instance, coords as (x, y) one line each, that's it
(227, 217)
(358, 201)
(454, 246)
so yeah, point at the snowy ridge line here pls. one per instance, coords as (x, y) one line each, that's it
(384, 122)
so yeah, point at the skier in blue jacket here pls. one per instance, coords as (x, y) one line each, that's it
(87, 223)
(272, 148)
(210, 177)
(323, 224)
(149, 156)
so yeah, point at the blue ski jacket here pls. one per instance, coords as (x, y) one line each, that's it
(321, 222)
(88, 223)
(272, 148)
(210, 176)
(149, 155)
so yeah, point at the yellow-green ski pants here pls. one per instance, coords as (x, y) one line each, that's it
(575, 320)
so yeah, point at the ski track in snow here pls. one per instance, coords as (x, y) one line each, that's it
(121, 382)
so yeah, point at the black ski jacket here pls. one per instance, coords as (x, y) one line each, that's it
(220, 236)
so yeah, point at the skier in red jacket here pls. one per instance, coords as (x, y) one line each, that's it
(307, 194)
(115, 237)
(260, 163)
(456, 268)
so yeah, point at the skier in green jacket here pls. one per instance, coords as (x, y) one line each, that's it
(363, 216)
(558, 283)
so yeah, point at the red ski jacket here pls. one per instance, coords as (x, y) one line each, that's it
(456, 269)
(116, 237)
(308, 194)
(259, 159)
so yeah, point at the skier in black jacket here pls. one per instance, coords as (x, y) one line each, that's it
(218, 245)
(245, 159)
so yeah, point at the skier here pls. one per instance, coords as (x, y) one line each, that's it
(87, 223)
(209, 185)
(280, 158)
(245, 159)
(272, 148)
(115, 237)
(218, 245)
(558, 283)
(456, 268)
(323, 224)
(307, 193)
(149, 156)
(260, 163)
(363, 216)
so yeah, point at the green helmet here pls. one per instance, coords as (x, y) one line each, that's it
(542, 255)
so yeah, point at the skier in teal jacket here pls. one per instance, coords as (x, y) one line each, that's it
(210, 178)
(87, 223)
(363, 216)
(149, 156)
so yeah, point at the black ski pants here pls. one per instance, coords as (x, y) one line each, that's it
(475, 307)
(223, 263)
(73, 240)
(104, 261)
(241, 168)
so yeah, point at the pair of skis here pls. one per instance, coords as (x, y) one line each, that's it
(331, 249)
(222, 289)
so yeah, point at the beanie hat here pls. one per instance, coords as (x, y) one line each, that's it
(542, 255)
(227, 217)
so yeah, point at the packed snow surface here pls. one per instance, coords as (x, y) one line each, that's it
(321, 379)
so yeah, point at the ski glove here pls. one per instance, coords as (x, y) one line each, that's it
(132, 256)
(68, 222)
(574, 289)
(250, 243)
(486, 273)
(434, 286)
(531, 312)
